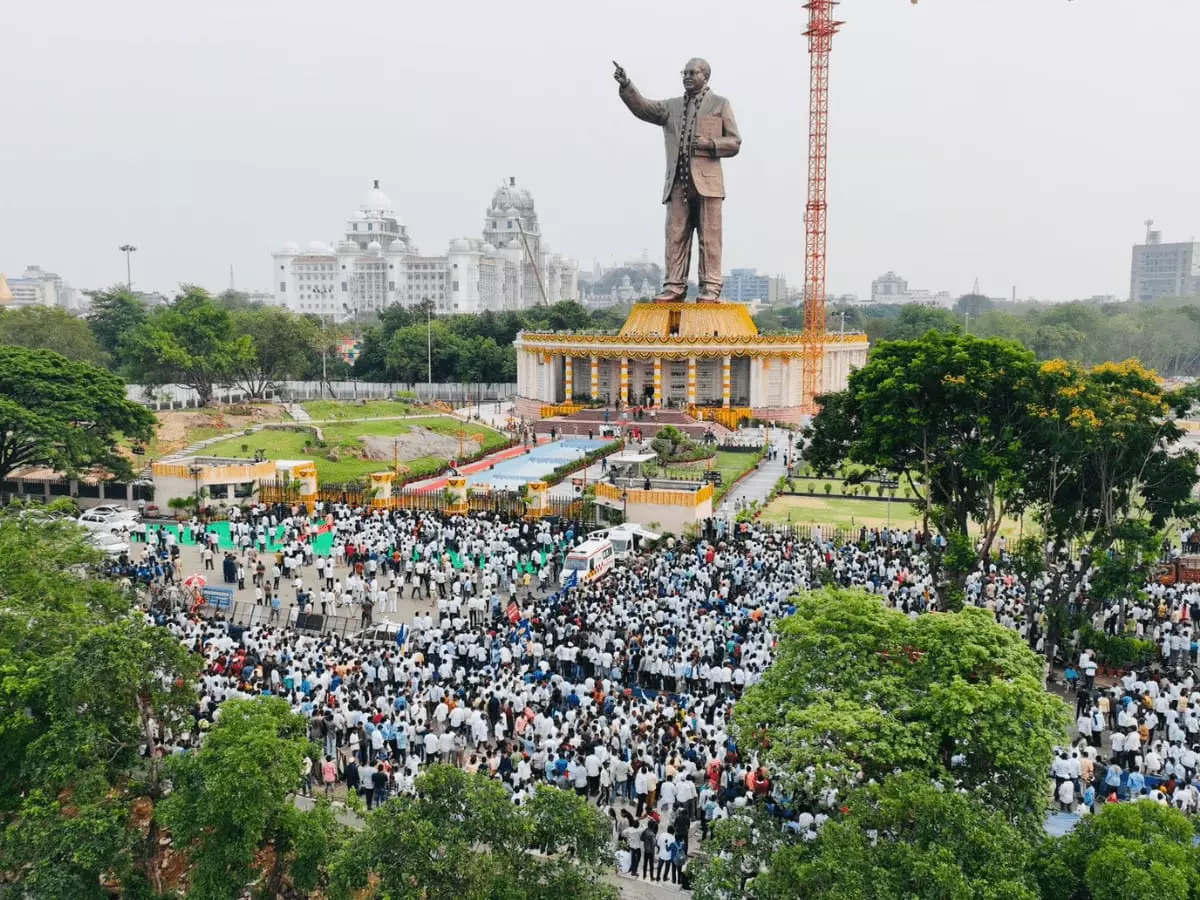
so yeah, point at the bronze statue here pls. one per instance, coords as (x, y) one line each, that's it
(699, 130)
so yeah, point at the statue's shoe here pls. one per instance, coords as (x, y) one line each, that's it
(670, 297)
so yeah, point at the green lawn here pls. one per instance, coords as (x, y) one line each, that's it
(291, 445)
(732, 466)
(849, 512)
(322, 410)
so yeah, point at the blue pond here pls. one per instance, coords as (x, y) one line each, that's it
(538, 463)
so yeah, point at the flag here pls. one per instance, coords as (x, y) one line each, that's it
(572, 580)
(514, 612)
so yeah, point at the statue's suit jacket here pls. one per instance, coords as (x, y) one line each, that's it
(714, 120)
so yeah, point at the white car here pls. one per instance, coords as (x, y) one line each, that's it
(108, 509)
(108, 544)
(95, 521)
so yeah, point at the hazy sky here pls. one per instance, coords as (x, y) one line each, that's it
(1018, 141)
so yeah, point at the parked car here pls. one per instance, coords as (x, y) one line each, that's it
(108, 544)
(108, 509)
(97, 521)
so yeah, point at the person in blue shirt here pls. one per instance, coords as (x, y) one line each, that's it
(1089, 798)
(1137, 781)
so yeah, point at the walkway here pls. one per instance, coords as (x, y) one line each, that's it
(440, 481)
(492, 413)
(759, 483)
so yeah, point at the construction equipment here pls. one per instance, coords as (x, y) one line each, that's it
(821, 29)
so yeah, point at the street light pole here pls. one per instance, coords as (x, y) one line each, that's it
(127, 249)
(429, 341)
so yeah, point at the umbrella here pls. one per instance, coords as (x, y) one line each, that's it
(195, 580)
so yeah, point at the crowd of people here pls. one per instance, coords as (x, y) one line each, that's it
(621, 688)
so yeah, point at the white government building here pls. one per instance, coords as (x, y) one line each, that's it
(376, 264)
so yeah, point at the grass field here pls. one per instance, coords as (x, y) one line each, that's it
(847, 512)
(732, 466)
(333, 410)
(344, 436)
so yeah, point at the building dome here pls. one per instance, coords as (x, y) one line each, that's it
(511, 212)
(347, 247)
(290, 247)
(509, 195)
(397, 246)
(374, 245)
(512, 245)
(318, 247)
(460, 245)
(488, 249)
(375, 200)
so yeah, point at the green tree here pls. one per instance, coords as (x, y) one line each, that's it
(858, 691)
(114, 314)
(65, 415)
(951, 412)
(1110, 470)
(283, 345)
(1127, 851)
(902, 837)
(233, 797)
(51, 328)
(915, 321)
(82, 679)
(973, 305)
(193, 342)
(462, 838)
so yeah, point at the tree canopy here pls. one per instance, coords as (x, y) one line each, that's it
(927, 741)
(1127, 851)
(858, 691)
(84, 683)
(950, 412)
(52, 328)
(1164, 335)
(982, 431)
(233, 796)
(192, 342)
(462, 838)
(902, 837)
(64, 414)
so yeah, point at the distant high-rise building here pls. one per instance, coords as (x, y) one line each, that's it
(744, 285)
(888, 288)
(1164, 270)
(891, 288)
(36, 287)
(376, 264)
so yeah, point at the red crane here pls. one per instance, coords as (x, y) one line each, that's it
(821, 29)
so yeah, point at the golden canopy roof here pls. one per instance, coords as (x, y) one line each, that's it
(689, 320)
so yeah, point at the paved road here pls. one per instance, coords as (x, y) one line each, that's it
(758, 484)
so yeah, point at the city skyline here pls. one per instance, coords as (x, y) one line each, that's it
(1021, 169)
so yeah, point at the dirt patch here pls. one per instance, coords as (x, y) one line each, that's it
(412, 444)
(177, 429)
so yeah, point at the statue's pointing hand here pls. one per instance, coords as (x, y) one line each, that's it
(619, 74)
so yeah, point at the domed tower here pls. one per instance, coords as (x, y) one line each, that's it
(376, 221)
(512, 220)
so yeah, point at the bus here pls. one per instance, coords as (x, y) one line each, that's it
(588, 561)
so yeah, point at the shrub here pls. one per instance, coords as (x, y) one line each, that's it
(828, 489)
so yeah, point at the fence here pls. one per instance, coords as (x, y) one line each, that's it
(509, 504)
(807, 531)
(249, 615)
(174, 396)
